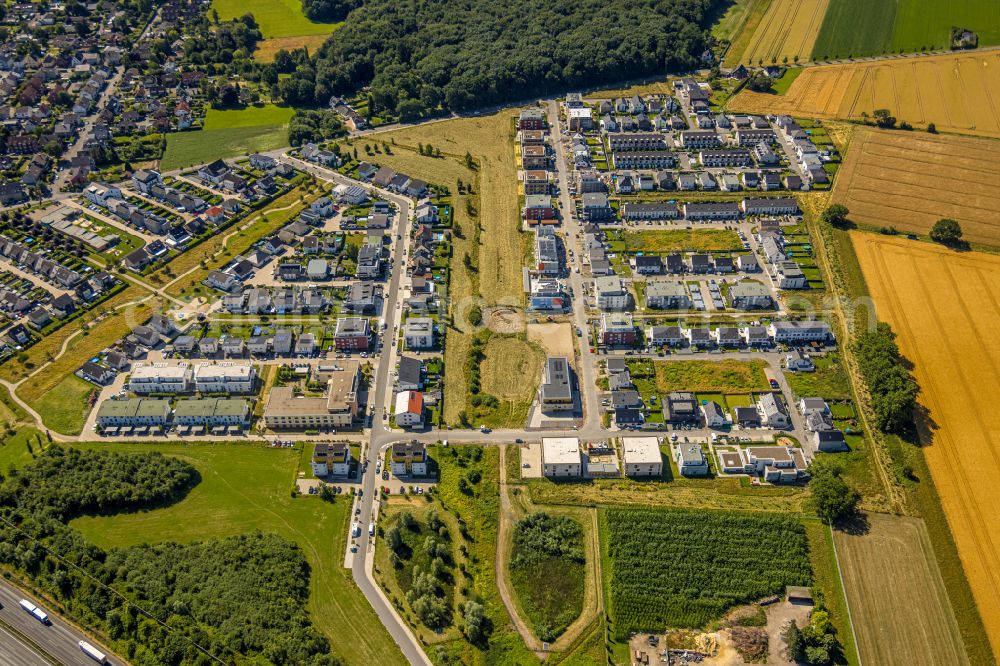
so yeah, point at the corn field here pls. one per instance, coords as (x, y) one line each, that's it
(684, 568)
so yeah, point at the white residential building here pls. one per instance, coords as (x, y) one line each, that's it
(642, 456)
(561, 456)
(161, 378)
(225, 378)
(418, 333)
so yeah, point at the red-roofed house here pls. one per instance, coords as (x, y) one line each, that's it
(409, 409)
(215, 214)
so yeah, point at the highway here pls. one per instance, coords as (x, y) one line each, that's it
(24, 641)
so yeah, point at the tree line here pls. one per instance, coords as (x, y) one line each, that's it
(240, 599)
(891, 386)
(420, 57)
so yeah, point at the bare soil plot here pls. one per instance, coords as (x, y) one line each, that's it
(787, 30)
(945, 308)
(910, 181)
(957, 92)
(898, 599)
(555, 339)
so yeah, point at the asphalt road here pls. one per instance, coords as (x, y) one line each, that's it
(24, 641)
(381, 389)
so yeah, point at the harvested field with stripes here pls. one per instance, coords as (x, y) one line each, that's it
(788, 29)
(958, 92)
(898, 624)
(945, 308)
(910, 180)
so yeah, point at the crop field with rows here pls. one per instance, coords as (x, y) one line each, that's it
(676, 568)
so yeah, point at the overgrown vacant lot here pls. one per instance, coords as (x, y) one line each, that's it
(724, 376)
(511, 371)
(547, 572)
(954, 92)
(908, 180)
(267, 49)
(898, 623)
(945, 308)
(243, 489)
(787, 30)
(685, 568)
(676, 240)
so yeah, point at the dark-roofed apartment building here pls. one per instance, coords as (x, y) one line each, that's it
(770, 206)
(556, 391)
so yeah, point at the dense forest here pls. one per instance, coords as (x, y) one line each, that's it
(65, 483)
(328, 10)
(241, 599)
(422, 56)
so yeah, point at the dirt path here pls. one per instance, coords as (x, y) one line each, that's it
(507, 518)
(593, 599)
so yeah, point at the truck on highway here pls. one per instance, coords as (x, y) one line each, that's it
(356, 530)
(35, 612)
(93, 652)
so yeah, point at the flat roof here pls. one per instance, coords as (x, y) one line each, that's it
(691, 453)
(224, 371)
(195, 407)
(160, 371)
(776, 453)
(342, 385)
(731, 459)
(641, 450)
(561, 450)
(114, 408)
(282, 402)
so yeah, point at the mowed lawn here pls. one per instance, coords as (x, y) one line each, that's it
(245, 488)
(64, 407)
(229, 133)
(897, 596)
(943, 306)
(276, 18)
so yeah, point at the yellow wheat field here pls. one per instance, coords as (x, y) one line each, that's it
(788, 29)
(945, 308)
(957, 92)
(910, 180)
